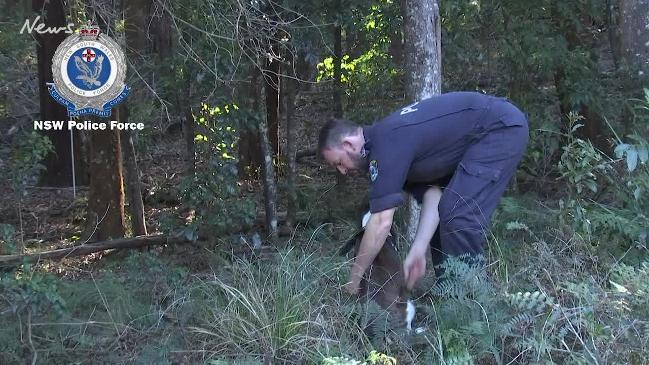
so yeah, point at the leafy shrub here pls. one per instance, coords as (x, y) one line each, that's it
(212, 190)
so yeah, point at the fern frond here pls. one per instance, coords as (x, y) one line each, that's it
(517, 323)
(535, 302)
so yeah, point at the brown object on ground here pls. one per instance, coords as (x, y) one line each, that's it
(14, 260)
(383, 282)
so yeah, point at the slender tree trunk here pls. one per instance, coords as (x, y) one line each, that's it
(189, 133)
(188, 122)
(302, 71)
(106, 195)
(271, 75)
(249, 152)
(162, 38)
(59, 162)
(337, 63)
(423, 65)
(291, 210)
(613, 21)
(270, 187)
(133, 183)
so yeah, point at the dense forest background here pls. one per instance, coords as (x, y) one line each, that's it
(212, 235)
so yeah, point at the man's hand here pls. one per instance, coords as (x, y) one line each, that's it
(414, 266)
(352, 287)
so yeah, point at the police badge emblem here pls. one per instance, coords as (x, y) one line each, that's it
(89, 70)
(374, 170)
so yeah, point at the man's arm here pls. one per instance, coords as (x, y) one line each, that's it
(428, 218)
(414, 266)
(376, 232)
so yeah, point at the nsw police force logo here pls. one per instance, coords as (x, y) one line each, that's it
(89, 70)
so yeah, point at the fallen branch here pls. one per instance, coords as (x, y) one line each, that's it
(311, 152)
(135, 242)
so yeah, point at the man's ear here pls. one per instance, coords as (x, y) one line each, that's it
(348, 143)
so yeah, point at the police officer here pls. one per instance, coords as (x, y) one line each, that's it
(467, 142)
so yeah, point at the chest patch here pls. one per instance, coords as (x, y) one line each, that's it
(374, 170)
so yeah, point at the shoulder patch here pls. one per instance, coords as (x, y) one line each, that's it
(374, 170)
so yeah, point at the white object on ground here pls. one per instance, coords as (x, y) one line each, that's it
(410, 315)
(256, 241)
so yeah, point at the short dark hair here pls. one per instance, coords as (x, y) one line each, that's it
(333, 132)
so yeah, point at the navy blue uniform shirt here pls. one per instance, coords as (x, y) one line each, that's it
(424, 142)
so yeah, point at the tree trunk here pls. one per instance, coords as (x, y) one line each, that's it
(136, 27)
(106, 193)
(249, 152)
(136, 15)
(337, 63)
(133, 183)
(163, 39)
(291, 192)
(59, 162)
(270, 188)
(271, 75)
(189, 133)
(188, 126)
(634, 26)
(614, 33)
(423, 65)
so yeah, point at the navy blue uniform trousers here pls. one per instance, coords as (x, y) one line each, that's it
(475, 188)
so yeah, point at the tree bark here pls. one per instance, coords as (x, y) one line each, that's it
(271, 75)
(270, 187)
(106, 193)
(249, 152)
(423, 65)
(136, 15)
(59, 162)
(188, 127)
(291, 191)
(137, 26)
(133, 183)
(634, 26)
(614, 33)
(189, 133)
